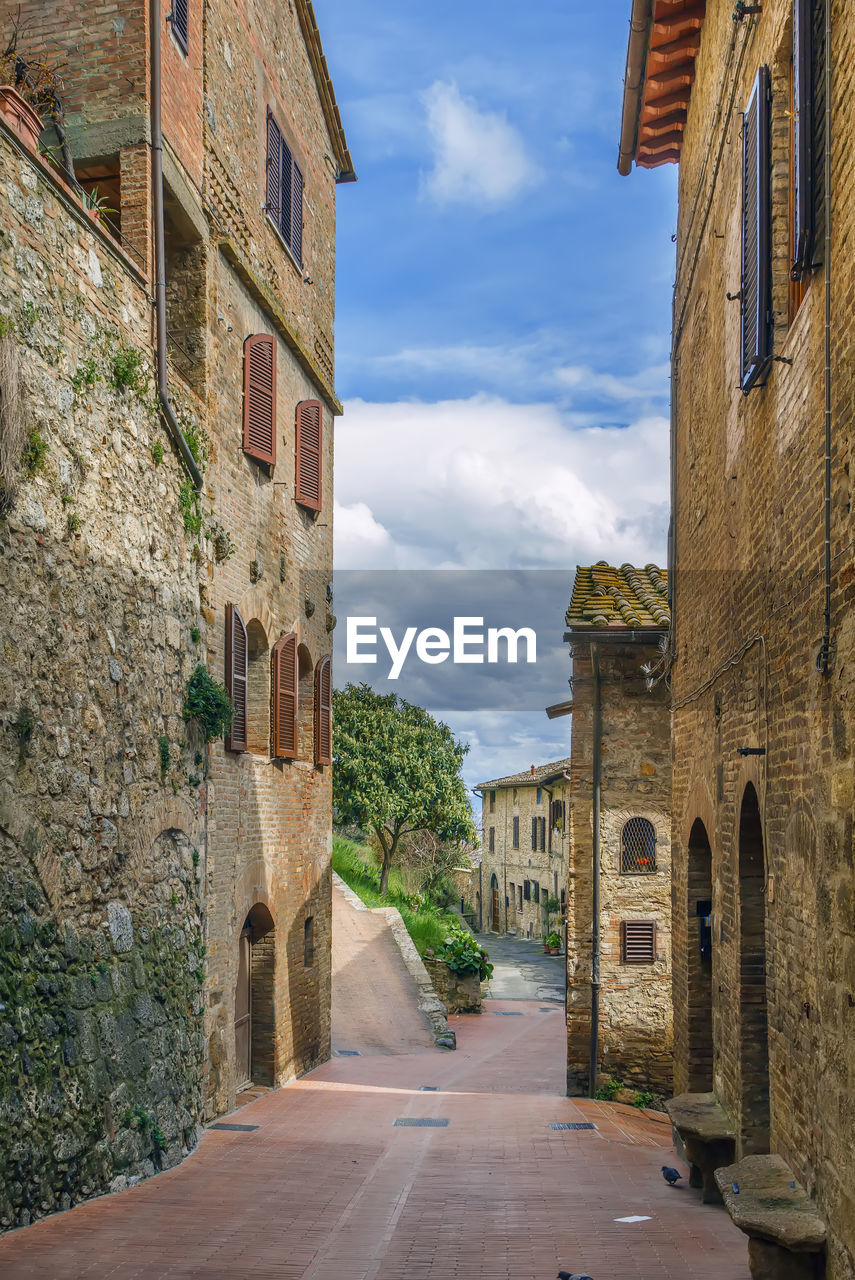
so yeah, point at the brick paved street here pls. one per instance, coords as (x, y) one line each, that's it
(326, 1187)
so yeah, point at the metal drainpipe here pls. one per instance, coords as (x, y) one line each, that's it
(593, 1057)
(160, 249)
(823, 661)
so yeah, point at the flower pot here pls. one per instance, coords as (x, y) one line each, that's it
(18, 113)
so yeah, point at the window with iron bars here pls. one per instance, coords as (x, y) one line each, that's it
(638, 848)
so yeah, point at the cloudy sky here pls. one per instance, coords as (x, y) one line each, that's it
(503, 307)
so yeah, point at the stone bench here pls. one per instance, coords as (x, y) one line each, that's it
(786, 1235)
(707, 1136)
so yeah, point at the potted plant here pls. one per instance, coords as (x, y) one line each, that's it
(552, 943)
(95, 204)
(29, 88)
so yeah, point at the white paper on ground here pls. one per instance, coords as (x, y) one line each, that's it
(635, 1217)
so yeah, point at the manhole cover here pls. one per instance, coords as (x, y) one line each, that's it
(236, 1128)
(506, 1013)
(563, 1125)
(348, 1053)
(408, 1122)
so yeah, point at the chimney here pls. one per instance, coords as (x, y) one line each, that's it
(532, 770)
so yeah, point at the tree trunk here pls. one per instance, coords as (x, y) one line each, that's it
(388, 844)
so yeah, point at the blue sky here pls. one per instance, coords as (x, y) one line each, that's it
(503, 301)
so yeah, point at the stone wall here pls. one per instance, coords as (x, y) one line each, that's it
(749, 598)
(635, 1000)
(101, 918)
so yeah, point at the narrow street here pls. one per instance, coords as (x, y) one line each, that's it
(521, 969)
(318, 1181)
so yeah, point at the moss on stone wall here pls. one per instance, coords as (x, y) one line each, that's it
(101, 1051)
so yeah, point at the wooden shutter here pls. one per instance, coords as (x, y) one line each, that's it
(323, 712)
(297, 213)
(283, 698)
(638, 941)
(181, 23)
(237, 656)
(802, 175)
(492, 839)
(756, 306)
(309, 435)
(274, 169)
(259, 398)
(516, 833)
(285, 197)
(534, 833)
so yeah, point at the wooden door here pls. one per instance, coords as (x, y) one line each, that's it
(495, 908)
(243, 1012)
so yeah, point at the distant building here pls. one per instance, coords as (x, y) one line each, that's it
(523, 869)
(619, 900)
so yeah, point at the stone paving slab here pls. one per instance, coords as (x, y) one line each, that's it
(328, 1187)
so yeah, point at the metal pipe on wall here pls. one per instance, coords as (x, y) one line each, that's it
(155, 110)
(593, 1057)
(823, 661)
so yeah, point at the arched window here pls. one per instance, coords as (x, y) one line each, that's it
(637, 848)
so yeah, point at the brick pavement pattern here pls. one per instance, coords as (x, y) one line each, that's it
(327, 1187)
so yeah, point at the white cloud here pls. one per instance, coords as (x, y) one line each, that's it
(486, 484)
(479, 158)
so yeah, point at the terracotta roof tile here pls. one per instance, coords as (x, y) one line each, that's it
(606, 597)
(531, 777)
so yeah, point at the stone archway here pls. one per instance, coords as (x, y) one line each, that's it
(753, 1016)
(254, 1021)
(699, 966)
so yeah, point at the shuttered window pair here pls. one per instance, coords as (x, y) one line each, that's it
(638, 941)
(284, 682)
(284, 192)
(180, 20)
(756, 290)
(259, 421)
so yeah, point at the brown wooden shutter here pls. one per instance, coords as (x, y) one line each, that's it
(179, 17)
(309, 434)
(286, 197)
(237, 656)
(283, 698)
(516, 833)
(323, 712)
(259, 398)
(802, 176)
(756, 295)
(297, 213)
(638, 941)
(274, 169)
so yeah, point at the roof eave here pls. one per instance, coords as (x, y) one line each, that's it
(633, 84)
(616, 635)
(345, 171)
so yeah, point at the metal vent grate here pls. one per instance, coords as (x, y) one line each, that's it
(348, 1053)
(428, 1088)
(546, 1008)
(506, 1013)
(409, 1122)
(638, 941)
(582, 1125)
(638, 848)
(235, 1128)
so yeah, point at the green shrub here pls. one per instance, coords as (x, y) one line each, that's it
(643, 1098)
(165, 753)
(609, 1089)
(463, 955)
(34, 453)
(127, 369)
(86, 375)
(208, 703)
(157, 453)
(195, 635)
(191, 509)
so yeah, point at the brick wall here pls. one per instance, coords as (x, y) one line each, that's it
(748, 628)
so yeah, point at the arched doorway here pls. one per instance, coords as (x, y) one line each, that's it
(700, 961)
(254, 1019)
(494, 897)
(753, 1019)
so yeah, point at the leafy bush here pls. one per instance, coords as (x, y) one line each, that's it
(552, 940)
(127, 369)
(609, 1089)
(208, 703)
(643, 1098)
(464, 956)
(191, 509)
(34, 453)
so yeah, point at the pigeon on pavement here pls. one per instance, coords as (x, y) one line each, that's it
(671, 1176)
(573, 1275)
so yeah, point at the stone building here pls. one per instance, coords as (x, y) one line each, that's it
(523, 852)
(165, 903)
(619, 898)
(762, 654)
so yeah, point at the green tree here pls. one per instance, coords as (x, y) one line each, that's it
(396, 770)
